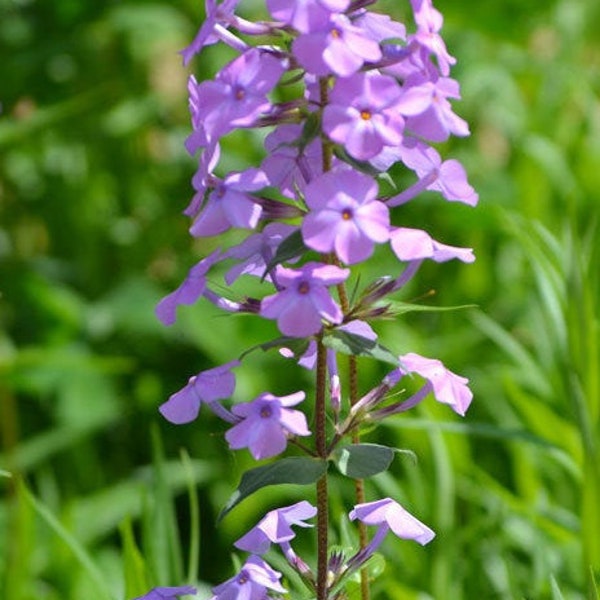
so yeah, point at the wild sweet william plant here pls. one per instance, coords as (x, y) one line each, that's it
(372, 95)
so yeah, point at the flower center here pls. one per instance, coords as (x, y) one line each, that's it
(304, 287)
(243, 578)
(240, 93)
(336, 33)
(346, 214)
(365, 115)
(265, 412)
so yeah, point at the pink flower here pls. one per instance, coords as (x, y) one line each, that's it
(447, 387)
(389, 514)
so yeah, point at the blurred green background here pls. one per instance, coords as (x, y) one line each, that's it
(93, 179)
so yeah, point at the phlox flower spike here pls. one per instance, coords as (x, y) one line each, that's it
(189, 291)
(265, 424)
(208, 386)
(167, 593)
(389, 513)
(275, 527)
(345, 215)
(251, 583)
(303, 299)
(416, 244)
(447, 387)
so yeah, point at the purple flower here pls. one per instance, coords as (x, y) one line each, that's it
(429, 22)
(360, 114)
(189, 291)
(447, 387)
(388, 514)
(167, 593)
(251, 583)
(256, 251)
(196, 139)
(276, 527)
(237, 96)
(229, 204)
(305, 15)
(448, 177)
(266, 423)
(208, 386)
(379, 27)
(216, 15)
(429, 112)
(303, 300)
(416, 244)
(335, 46)
(345, 215)
(288, 165)
(203, 176)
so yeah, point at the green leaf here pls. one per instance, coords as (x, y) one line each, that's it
(311, 129)
(78, 551)
(360, 461)
(292, 247)
(296, 469)
(400, 308)
(134, 566)
(297, 345)
(357, 345)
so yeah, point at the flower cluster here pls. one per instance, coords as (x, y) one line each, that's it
(373, 95)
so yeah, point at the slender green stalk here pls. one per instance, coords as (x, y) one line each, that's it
(194, 554)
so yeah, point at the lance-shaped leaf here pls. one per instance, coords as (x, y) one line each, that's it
(360, 461)
(297, 345)
(298, 470)
(357, 345)
(400, 308)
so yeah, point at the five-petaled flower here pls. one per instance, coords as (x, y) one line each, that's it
(189, 291)
(387, 514)
(275, 527)
(447, 387)
(303, 300)
(266, 423)
(251, 583)
(208, 386)
(345, 215)
(167, 593)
